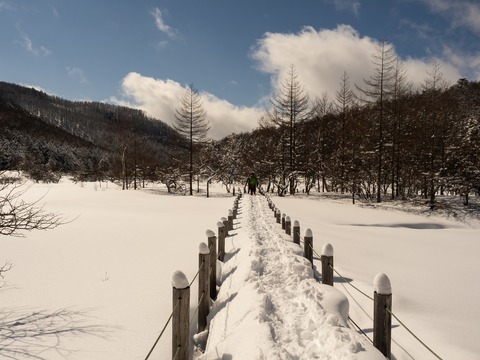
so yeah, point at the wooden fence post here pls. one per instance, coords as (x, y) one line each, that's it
(221, 241)
(235, 208)
(288, 226)
(296, 232)
(278, 213)
(382, 317)
(327, 264)
(181, 316)
(203, 285)
(225, 224)
(230, 220)
(283, 221)
(308, 246)
(212, 245)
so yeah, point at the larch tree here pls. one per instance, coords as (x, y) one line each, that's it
(433, 88)
(377, 90)
(291, 106)
(192, 124)
(345, 101)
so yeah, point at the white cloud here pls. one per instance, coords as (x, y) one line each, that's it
(78, 74)
(28, 45)
(162, 26)
(348, 5)
(320, 57)
(159, 99)
(463, 13)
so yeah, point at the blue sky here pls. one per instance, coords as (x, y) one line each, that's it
(144, 53)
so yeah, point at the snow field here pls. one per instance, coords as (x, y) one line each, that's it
(114, 264)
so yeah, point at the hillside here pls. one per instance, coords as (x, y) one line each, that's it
(90, 139)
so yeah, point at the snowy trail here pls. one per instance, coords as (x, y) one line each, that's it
(269, 305)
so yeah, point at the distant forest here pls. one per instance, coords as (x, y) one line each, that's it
(395, 142)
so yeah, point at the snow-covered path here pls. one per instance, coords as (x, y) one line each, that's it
(269, 305)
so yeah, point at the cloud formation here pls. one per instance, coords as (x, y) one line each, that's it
(159, 99)
(28, 45)
(162, 26)
(321, 56)
(348, 5)
(463, 13)
(78, 74)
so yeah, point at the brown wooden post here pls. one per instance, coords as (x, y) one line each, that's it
(382, 317)
(308, 246)
(296, 232)
(283, 221)
(225, 224)
(278, 214)
(230, 220)
(235, 208)
(203, 286)
(212, 245)
(288, 226)
(327, 264)
(221, 241)
(181, 316)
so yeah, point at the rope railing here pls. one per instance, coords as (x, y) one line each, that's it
(206, 276)
(360, 329)
(415, 336)
(344, 280)
(163, 330)
(196, 309)
(350, 284)
(177, 352)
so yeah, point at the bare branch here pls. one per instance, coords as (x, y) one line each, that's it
(18, 215)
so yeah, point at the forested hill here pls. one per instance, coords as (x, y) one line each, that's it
(47, 135)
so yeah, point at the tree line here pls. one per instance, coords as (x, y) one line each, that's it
(382, 139)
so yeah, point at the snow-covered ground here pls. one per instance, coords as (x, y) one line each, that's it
(105, 278)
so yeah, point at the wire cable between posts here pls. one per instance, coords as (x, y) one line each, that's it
(196, 309)
(371, 298)
(415, 336)
(163, 330)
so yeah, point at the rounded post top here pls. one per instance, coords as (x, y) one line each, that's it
(220, 224)
(210, 233)
(296, 223)
(382, 285)
(287, 219)
(327, 249)
(203, 248)
(308, 233)
(223, 219)
(179, 280)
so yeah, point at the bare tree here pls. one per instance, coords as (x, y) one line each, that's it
(18, 215)
(192, 123)
(377, 91)
(345, 101)
(434, 86)
(291, 106)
